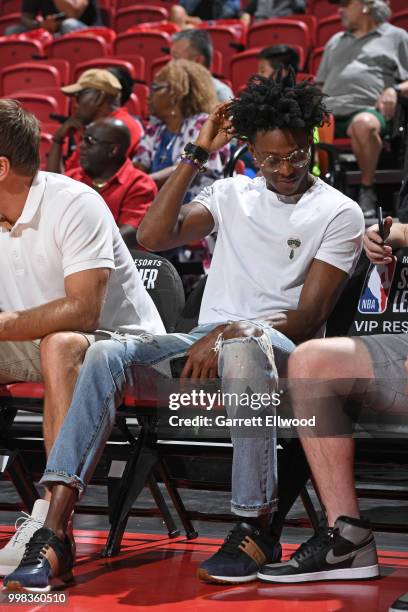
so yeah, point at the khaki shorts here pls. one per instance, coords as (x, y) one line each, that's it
(20, 361)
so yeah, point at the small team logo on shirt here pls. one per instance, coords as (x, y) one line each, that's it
(376, 290)
(293, 244)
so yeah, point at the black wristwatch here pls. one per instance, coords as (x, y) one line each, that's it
(196, 152)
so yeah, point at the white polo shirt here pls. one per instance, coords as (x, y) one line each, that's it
(265, 245)
(64, 228)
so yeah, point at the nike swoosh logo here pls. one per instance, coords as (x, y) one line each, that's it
(332, 559)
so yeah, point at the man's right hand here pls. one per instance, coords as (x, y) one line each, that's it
(217, 131)
(70, 126)
(375, 248)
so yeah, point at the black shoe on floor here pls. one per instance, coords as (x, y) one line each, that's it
(244, 551)
(368, 202)
(46, 557)
(344, 552)
(400, 604)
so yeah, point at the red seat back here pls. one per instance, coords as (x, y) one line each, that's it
(45, 146)
(10, 6)
(326, 28)
(310, 21)
(398, 5)
(18, 51)
(142, 93)
(138, 14)
(149, 45)
(62, 65)
(106, 62)
(223, 39)
(279, 31)
(133, 105)
(26, 76)
(321, 9)
(315, 59)
(77, 49)
(157, 65)
(8, 20)
(39, 104)
(400, 19)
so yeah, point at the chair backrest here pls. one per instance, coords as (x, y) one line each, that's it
(189, 316)
(315, 59)
(163, 284)
(63, 101)
(310, 21)
(321, 8)
(142, 92)
(279, 31)
(28, 75)
(398, 5)
(8, 20)
(400, 19)
(10, 6)
(326, 28)
(40, 105)
(133, 15)
(133, 105)
(157, 65)
(245, 64)
(17, 51)
(149, 45)
(45, 146)
(106, 62)
(62, 65)
(225, 40)
(77, 49)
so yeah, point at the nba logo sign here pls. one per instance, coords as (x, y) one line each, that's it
(376, 290)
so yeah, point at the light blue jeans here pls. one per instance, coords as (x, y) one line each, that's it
(141, 361)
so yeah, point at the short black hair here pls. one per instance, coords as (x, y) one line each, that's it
(125, 79)
(266, 105)
(281, 55)
(200, 40)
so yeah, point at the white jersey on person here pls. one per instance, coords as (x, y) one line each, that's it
(265, 245)
(65, 228)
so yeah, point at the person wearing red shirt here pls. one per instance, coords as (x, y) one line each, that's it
(105, 166)
(97, 95)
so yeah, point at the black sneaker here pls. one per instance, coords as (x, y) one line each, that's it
(46, 557)
(400, 604)
(344, 552)
(368, 201)
(244, 551)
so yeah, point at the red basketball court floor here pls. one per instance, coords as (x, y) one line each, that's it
(153, 572)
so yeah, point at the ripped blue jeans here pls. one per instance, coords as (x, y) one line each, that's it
(112, 365)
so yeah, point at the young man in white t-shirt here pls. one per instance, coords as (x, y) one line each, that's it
(286, 245)
(64, 269)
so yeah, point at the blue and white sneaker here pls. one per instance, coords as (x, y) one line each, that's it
(46, 558)
(244, 551)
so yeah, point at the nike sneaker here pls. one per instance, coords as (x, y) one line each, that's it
(346, 551)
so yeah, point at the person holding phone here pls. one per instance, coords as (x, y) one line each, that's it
(372, 369)
(57, 16)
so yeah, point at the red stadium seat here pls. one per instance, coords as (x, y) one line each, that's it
(10, 6)
(236, 25)
(138, 14)
(310, 21)
(105, 62)
(8, 20)
(315, 59)
(133, 105)
(149, 45)
(137, 61)
(225, 40)
(398, 5)
(326, 28)
(62, 100)
(279, 31)
(17, 51)
(158, 65)
(77, 49)
(39, 104)
(400, 19)
(245, 64)
(28, 75)
(45, 146)
(142, 93)
(216, 65)
(107, 34)
(321, 9)
(62, 65)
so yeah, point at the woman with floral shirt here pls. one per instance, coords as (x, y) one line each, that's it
(181, 97)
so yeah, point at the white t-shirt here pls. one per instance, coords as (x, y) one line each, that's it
(265, 246)
(66, 227)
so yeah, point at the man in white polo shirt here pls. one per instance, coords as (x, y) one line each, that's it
(63, 268)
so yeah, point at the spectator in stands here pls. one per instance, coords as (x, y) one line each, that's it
(286, 244)
(181, 97)
(57, 16)
(105, 166)
(368, 367)
(188, 13)
(196, 45)
(362, 72)
(271, 59)
(97, 95)
(269, 9)
(65, 269)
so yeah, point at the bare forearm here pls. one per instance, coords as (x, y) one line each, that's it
(65, 314)
(54, 159)
(71, 8)
(296, 325)
(159, 227)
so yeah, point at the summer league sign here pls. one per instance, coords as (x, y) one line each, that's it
(383, 303)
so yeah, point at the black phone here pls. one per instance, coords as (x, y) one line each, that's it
(177, 365)
(380, 218)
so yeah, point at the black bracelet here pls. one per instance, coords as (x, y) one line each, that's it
(196, 152)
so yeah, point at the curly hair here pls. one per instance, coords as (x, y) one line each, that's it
(191, 85)
(266, 105)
